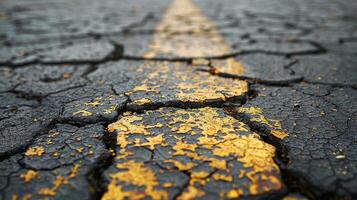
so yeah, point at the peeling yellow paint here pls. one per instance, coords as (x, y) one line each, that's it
(181, 166)
(58, 182)
(110, 110)
(29, 176)
(35, 151)
(229, 66)
(234, 193)
(167, 185)
(210, 88)
(222, 177)
(152, 141)
(218, 134)
(95, 103)
(144, 88)
(191, 193)
(142, 101)
(136, 174)
(185, 85)
(83, 113)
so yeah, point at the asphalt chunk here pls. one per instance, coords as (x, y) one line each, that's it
(24, 54)
(57, 164)
(259, 67)
(84, 51)
(329, 69)
(21, 120)
(64, 145)
(87, 104)
(320, 141)
(43, 80)
(176, 84)
(217, 155)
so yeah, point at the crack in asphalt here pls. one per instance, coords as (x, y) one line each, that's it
(98, 185)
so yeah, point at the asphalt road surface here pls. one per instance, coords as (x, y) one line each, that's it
(182, 99)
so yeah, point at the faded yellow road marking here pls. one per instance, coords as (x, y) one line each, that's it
(189, 133)
(185, 32)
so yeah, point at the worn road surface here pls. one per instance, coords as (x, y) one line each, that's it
(182, 99)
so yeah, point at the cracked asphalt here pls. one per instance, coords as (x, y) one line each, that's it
(181, 99)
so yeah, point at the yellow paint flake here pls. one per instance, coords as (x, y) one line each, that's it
(29, 176)
(83, 113)
(59, 181)
(292, 197)
(222, 177)
(116, 192)
(35, 151)
(56, 184)
(144, 88)
(199, 177)
(95, 103)
(180, 148)
(123, 154)
(80, 150)
(235, 67)
(234, 193)
(109, 110)
(218, 164)
(142, 101)
(152, 141)
(191, 193)
(279, 134)
(167, 185)
(74, 171)
(121, 140)
(56, 154)
(137, 175)
(229, 66)
(126, 125)
(25, 197)
(181, 166)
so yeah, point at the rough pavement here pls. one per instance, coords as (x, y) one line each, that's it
(182, 99)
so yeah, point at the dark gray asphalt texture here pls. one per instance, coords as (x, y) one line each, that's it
(228, 99)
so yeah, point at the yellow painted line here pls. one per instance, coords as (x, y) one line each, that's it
(222, 137)
(184, 31)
